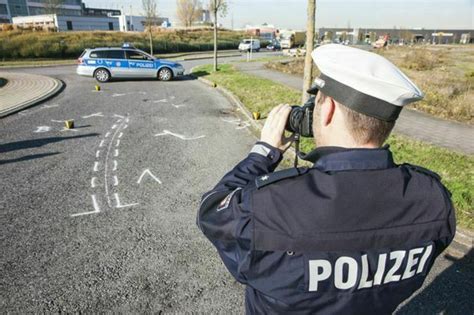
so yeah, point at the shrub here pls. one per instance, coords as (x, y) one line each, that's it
(40, 44)
(422, 59)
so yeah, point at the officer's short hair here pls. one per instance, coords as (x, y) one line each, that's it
(365, 129)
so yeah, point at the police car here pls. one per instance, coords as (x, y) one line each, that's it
(125, 62)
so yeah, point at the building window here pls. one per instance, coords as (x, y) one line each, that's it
(3, 9)
(69, 25)
(111, 26)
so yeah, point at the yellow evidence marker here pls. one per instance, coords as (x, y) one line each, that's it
(69, 124)
(97, 87)
(256, 115)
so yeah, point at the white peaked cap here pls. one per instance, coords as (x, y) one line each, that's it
(363, 81)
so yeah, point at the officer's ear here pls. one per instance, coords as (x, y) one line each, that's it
(328, 107)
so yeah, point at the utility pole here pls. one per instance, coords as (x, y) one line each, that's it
(308, 62)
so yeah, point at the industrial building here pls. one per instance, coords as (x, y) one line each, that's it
(396, 35)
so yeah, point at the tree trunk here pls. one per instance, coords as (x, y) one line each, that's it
(215, 40)
(308, 62)
(151, 42)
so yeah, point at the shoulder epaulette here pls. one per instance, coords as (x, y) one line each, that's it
(268, 179)
(423, 170)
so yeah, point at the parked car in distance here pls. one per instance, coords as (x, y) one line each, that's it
(274, 46)
(107, 63)
(250, 45)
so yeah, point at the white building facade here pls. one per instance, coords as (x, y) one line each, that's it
(64, 23)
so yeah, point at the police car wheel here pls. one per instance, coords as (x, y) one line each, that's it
(102, 75)
(165, 74)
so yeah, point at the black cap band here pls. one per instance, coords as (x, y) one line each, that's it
(356, 100)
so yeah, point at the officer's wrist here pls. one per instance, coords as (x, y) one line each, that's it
(268, 151)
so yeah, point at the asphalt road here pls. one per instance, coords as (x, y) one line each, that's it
(102, 217)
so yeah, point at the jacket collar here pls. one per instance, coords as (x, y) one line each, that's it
(333, 159)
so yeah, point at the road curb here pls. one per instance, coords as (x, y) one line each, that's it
(58, 88)
(463, 240)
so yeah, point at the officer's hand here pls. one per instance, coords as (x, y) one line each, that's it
(273, 132)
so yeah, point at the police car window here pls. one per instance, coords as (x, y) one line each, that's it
(115, 54)
(98, 54)
(136, 55)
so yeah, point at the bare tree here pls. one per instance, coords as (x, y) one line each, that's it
(217, 7)
(188, 11)
(308, 62)
(53, 6)
(150, 7)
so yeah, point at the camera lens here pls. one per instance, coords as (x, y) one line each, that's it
(295, 119)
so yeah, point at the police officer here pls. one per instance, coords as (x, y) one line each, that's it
(354, 234)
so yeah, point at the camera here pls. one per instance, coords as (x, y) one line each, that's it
(300, 120)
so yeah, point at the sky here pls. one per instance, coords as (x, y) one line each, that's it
(435, 14)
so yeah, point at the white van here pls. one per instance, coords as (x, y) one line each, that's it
(250, 44)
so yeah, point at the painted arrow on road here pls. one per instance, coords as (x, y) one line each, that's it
(145, 172)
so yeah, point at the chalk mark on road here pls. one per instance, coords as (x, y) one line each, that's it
(49, 106)
(119, 205)
(93, 115)
(109, 148)
(93, 182)
(41, 129)
(95, 205)
(145, 172)
(167, 132)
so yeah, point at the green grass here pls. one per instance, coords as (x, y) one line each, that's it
(457, 170)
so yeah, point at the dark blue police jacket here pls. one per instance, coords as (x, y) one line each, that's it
(354, 234)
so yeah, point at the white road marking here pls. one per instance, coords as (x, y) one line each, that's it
(232, 121)
(96, 166)
(97, 154)
(58, 121)
(167, 132)
(120, 135)
(117, 143)
(50, 106)
(116, 153)
(116, 182)
(245, 125)
(119, 116)
(115, 165)
(93, 182)
(101, 144)
(107, 134)
(106, 180)
(114, 126)
(24, 112)
(118, 94)
(178, 106)
(94, 204)
(125, 127)
(147, 171)
(42, 129)
(119, 205)
(93, 115)
(161, 101)
(127, 119)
